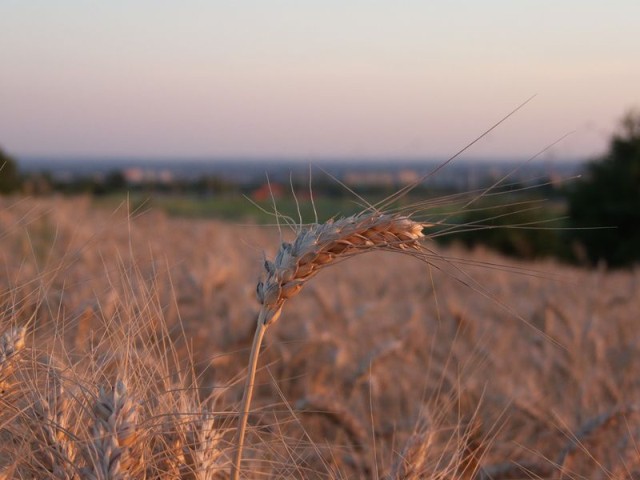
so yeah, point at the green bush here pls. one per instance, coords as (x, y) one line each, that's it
(9, 177)
(524, 229)
(604, 206)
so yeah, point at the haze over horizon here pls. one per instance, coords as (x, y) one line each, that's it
(314, 79)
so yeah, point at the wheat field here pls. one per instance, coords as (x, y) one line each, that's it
(125, 336)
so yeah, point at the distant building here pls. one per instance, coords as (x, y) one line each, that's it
(408, 177)
(165, 176)
(267, 192)
(369, 179)
(136, 175)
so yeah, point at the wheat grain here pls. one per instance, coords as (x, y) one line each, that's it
(11, 343)
(36, 418)
(320, 245)
(411, 463)
(53, 455)
(589, 429)
(201, 449)
(338, 414)
(165, 447)
(48, 425)
(113, 432)
(511, 470)
(313, 249)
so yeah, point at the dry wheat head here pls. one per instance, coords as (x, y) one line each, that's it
(320, 245)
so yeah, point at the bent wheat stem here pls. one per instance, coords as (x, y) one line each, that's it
(316, 247)
(261, 328)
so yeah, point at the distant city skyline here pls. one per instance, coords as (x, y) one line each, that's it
(308, 80)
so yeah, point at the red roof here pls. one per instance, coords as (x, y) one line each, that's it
(268, 191)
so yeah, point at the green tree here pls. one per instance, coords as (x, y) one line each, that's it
(514, 229)
(608, 198)
(9, 177)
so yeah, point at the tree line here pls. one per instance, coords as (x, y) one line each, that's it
(602, 207)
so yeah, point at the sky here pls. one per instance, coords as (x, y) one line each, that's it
(314, 79)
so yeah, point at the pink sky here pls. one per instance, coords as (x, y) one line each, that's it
(314, 79)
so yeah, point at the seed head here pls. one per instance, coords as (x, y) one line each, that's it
(319, 245)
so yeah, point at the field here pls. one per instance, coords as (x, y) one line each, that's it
(125, 336)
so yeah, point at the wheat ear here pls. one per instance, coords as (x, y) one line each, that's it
(202, 449)
(11, 343)
(48, 425)
(113, 432)
(411, 462)
(338, 414)
(316, 247)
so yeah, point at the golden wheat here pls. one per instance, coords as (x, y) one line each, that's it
(320, 245)
(128, 301)
(314, 248)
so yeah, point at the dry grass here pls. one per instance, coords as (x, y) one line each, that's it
(124, 338)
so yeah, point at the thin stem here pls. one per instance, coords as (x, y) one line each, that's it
(261, 328)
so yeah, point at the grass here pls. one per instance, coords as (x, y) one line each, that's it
(237, 208)
(233, 207)
(138, 326)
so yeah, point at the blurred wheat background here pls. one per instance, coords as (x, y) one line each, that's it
(128, 306)
(125, 338)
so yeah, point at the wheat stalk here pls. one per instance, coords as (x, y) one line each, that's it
(411, 462)
(590, 428)
(48, 425)
(201, 449)
(114, 431)
(316, 247)
(11, 343)
(53, 455)
(338, 414)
